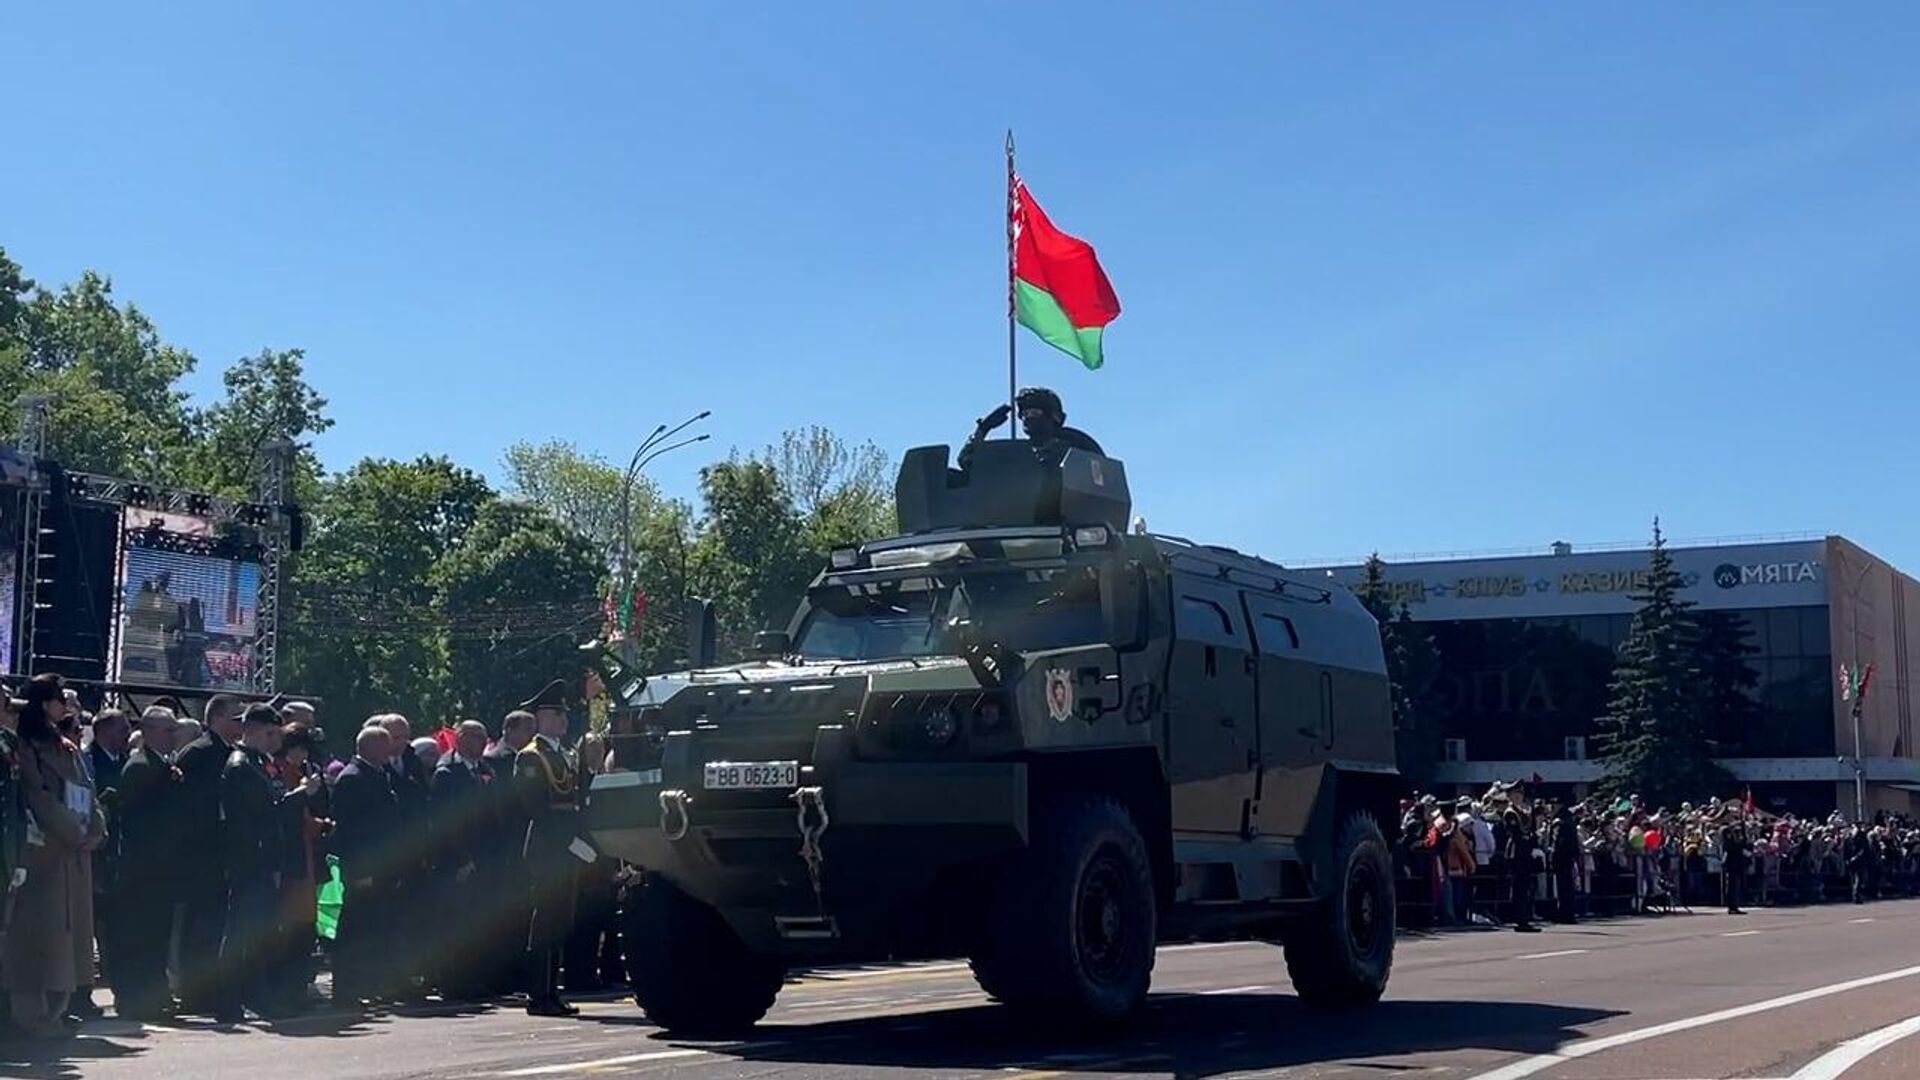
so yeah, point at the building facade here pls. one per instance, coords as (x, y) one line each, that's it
(1526, 646)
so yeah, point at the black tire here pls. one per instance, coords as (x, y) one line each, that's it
(1073, 921)
(688, 969)
(1341, 956)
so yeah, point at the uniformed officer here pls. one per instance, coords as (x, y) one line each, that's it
(549, 786)
(1043, 418)
(1735, 850)
(252, 803)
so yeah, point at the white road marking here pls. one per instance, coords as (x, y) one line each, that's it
(1588, 1047)
(1830, 1065)
(1857, 922)
(586, 1066)
(1550, 955)
(1741, 933)
(1235, 990)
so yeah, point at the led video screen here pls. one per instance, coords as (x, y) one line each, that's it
(9, 586)
(187, 620)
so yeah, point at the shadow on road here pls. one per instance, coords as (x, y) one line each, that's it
(1187, 1035)
(59, 1059)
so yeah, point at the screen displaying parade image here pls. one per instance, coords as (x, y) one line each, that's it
(187, 620)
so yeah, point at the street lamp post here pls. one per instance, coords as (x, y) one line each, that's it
(658, 443)
(1859, 699)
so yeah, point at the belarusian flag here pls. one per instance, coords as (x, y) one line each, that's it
(1059, 290)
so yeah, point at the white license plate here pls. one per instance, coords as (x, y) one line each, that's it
(752, 775)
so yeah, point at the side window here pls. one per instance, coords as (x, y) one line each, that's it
(1203, 620)
(1275, 633)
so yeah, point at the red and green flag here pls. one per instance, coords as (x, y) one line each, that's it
(1059, 290)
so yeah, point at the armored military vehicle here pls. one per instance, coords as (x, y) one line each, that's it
(1020, 734)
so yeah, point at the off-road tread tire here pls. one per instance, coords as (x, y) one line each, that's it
(1325, 969)
(687, 968)
(1030, 961)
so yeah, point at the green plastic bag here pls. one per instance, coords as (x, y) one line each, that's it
(332, 892)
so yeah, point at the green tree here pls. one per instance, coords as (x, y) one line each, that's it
(1412, 666)
(842, 493)
(751, 555)
(517, 596)
(1654, 731)
(584, 491)
(116, 402)
(267, 399)
(365, 633)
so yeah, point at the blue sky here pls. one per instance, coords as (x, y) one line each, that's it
(1395, 276)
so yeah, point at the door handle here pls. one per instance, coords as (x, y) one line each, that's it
(1227, 720)
(1311, 733)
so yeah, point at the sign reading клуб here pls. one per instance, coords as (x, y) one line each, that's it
(1790, 574)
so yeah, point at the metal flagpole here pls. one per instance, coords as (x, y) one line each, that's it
(1013, 213)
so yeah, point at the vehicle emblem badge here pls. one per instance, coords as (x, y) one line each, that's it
(1059, 695)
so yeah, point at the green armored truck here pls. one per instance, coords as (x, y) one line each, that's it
(1020, 734)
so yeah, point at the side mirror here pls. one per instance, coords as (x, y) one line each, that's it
(771, 645)
(1123, 604)
(703, 635)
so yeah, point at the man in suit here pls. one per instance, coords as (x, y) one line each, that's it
(147, 831)
(252, 804)
(464, 822)
(106, 755)
(504, 864)
(205, 895)
(549, 786)
(364, 813)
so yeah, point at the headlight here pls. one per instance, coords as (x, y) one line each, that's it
(941, 725)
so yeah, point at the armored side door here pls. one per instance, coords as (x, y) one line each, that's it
(1212, 734)
(1296, 731)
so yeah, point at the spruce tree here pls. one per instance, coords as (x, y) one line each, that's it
(1655, 741)
(1412, 666)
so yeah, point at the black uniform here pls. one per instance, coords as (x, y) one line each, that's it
(548, 782)
(204, 890)
(1517, 846)
(413, 860)
(1735, 852)
(1566, 859)
(363, 838)
(147, 883)
(464, 824)
(253, 842)
(1050, 450)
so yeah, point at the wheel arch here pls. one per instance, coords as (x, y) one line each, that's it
(1130, 775)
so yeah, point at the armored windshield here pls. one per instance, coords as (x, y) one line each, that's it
(927, 614)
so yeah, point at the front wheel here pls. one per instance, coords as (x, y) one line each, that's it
(1072, 933)
(689, 970)
(1340, 957)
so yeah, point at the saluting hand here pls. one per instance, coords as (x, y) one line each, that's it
(995, 418)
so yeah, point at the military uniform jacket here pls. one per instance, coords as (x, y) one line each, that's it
(549, 786)
(252, 802)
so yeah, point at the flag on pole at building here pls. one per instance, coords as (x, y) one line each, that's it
(1060, 291)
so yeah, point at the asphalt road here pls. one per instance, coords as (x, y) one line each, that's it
(1807, 994)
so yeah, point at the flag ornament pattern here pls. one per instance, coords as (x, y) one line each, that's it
(1059, 290)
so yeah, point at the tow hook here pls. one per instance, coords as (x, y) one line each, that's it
(675, 819)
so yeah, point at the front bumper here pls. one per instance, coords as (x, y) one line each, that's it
(892, 828)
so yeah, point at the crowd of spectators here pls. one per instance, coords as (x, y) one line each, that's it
(180, 863)
(1503, 858)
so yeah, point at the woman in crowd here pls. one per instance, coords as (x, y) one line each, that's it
(49, 946)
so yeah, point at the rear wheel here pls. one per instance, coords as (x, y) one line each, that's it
(1341, 956)
(689, 970)
(1073, 924)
